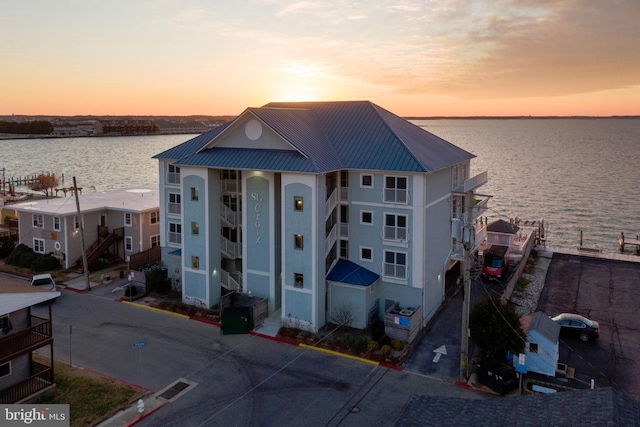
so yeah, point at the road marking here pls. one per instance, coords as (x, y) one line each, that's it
(439, 352)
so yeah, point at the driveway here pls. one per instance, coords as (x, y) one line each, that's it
(607, 291)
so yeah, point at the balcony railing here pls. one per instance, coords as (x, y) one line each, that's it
(175, 208)
(230, 216)
(229, 185)
(175, 238)
(229, 282)
(26, 340)
(330, 203)
(41, 378)
(231, 249)
(398, 234)
(331, 239)
(173, 178)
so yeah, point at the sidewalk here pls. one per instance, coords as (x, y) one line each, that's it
(133, 415)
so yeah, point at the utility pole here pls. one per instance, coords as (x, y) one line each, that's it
(84, 253)
(468, 240)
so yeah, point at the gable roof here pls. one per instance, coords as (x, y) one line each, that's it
(584, 408)
(349, 272)
(540, 322)
(327, 136)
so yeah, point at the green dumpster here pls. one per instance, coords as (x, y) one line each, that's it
(235, 320)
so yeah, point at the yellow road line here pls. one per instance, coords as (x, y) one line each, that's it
(184, 316)
(335, 353)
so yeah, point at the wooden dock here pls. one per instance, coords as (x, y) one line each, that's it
(623, 241)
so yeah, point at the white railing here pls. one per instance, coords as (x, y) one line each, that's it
(344, 194)
(394, 270)
(228, 282)
(395, 195)
(173, 178)
(231, 249)
(331, 239)
(175, 238)
(231, 216)
(330, 203)
(344, 229)
(230, 185)
(480, 207)
(174, 208)
(398, 234)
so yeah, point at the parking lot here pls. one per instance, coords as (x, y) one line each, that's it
(607, 291)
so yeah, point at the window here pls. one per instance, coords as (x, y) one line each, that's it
(194, 194)
(195, 228)
(195, 262)
(38, 221)
(174, 203)
(533, 347)
(395, 264)
(56, 223)
(128, 220)
(395, 189)
(154, 217)
(4, 322)
(38, 245)
(298, 204)
(395, 227)
(128, 243)
(175, 233)
(366, 254)
(366, 217)
(5, 369)
(155, 240)
(173, 174)
(366, 181)
(298, 241)
(298, 280)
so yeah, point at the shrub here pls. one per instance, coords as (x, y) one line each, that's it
(45, 263)
(522, 284)
(27, 259)
(385, 350)
(14, 256)
(372, 346)
(397, 344)
(7, 245)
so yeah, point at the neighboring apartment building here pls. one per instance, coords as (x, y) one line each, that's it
(21, 333)
(331, 210)
(116, 223)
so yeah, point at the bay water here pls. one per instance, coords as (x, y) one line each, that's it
(578, 174)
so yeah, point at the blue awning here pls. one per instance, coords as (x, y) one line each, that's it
(349, 272)
(176, 252)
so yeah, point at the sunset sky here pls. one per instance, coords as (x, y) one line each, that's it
(414, 58)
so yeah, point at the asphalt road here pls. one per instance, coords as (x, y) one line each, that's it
(607, 291)
(242, 380)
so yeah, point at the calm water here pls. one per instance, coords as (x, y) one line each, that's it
(576, 174)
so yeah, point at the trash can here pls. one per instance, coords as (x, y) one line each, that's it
(235, 320)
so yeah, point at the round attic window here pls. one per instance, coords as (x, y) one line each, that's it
(253, 129)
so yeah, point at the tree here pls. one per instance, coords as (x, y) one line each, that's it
(45, 182)
(495, 328)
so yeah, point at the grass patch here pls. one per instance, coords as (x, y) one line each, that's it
(522, 284)
(91, 397)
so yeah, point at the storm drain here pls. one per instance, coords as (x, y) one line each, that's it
(176, 390)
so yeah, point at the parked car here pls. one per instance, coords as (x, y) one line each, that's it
(44, 280)
(576, 325)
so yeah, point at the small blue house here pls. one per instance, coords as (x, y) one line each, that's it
(542, 350)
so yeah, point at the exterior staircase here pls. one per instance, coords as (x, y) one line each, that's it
(105, 240)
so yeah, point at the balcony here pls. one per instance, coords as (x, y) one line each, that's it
(41, 379)
(26, 340)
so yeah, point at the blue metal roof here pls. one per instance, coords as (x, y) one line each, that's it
(251, 159)
(349, 272)
(330, 136)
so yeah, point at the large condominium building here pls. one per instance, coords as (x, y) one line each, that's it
(333, 211)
